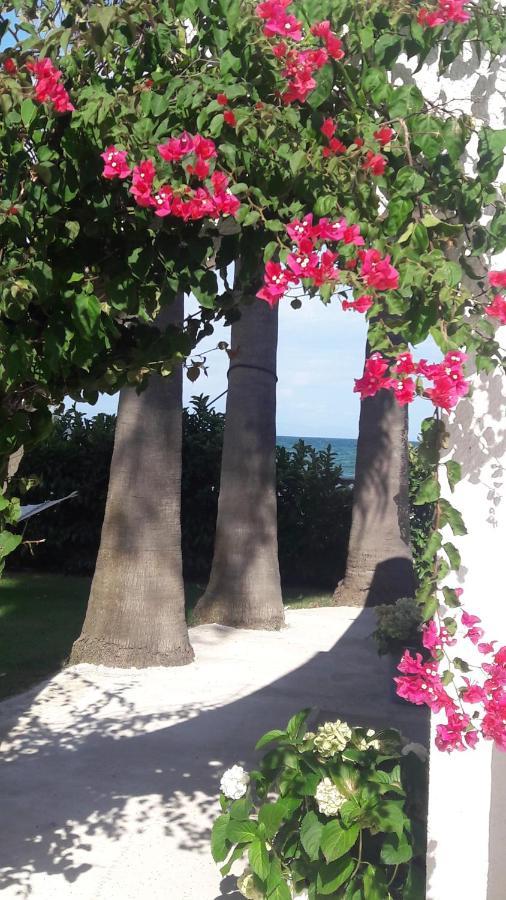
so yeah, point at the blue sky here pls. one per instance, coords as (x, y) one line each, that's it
(320, 352)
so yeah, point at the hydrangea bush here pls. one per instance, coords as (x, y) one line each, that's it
(336, 812)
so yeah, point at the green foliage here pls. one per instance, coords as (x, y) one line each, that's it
(421, 513)
(314, 507)
(346, 825)
(398, 625)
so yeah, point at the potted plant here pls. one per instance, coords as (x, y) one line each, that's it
(398, 629)
(338, 812)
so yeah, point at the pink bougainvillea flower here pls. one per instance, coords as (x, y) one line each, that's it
(497, 279)
(204, 147)
(328, 128)
(321, 29)
(278, 21)
(468, 619)
(115, 164)
(404, 364)
(334, 46)
(163, 201)
(349, 234)
(404, 390)
(446, 11)
(361, 304)
(142, 183)
(222, 99)
(377, 271)
(497, 309)
(226, 203)
(47, 85)
(486, 647)
(10, 66)
(200, 169)
(375, 162)
(276, 283)
(176, 148)
(326, 272)
(303, 228)
(229, 117)
(384, 135)
(219, 181)
(301, 265)
(335, 146)
(374, 378)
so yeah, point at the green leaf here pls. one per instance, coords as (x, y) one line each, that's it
(330, 877)
(103, 15)
(375, 885)
(28, 112)
(311, 830)
(219, 847)
(296, 722)
(395, 850)
(323, 89)
(86, 314)
(8, 542)
(387, 48)
(429, 608)
(241, 808)
(336, 840)
(453, 555)
(229, 63)
(399, 209)
(491, 146)
(270, 736)
(297, 161)
(242, 832)
(259, 858)
(404, 101)
(428, 492)
(236, 854)
(451, 597)
(409, 181)
(271, 815)
(454, 473)
(451, 516)
(276, 886)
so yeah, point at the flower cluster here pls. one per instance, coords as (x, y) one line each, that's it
(329, 797)
(445, 11)
(234, 783)
(497, 307)
(312, 263)
(331, 738)
(300, 66)
(422, 682)
(228, 114)
(448, 381)
(211, 200)
(48, 87)
(372, 161)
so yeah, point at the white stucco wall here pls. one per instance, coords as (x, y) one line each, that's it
(467, 792)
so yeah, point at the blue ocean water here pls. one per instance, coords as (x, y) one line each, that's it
(345, 449)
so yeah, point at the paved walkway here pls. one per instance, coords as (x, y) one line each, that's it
(109, 778)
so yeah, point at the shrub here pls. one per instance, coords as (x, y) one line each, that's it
(398, 625)
(338, 813)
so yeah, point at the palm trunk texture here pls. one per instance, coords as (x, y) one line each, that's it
(136, 610)
(380, 566)
(244, 587)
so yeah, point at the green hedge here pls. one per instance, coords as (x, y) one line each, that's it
(314, 507)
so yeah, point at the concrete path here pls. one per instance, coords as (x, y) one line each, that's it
(109, 779)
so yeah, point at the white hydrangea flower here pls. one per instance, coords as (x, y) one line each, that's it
(332, 737)
(329, 798)
(234, 783)
(247, 887)
(418, 749)
(309, 736)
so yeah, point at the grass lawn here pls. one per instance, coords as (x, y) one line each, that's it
(41, 616)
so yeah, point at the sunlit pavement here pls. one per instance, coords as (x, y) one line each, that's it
(110, 777)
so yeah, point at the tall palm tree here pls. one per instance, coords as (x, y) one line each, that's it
(244, 588)
(136, 610)
(380, 566)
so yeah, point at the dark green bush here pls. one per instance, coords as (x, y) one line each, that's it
(314, 506)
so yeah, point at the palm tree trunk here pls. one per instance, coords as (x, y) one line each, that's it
(379, 567)
(244, 587)
(136, 611)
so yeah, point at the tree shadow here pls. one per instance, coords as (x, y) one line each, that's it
(98, 754)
